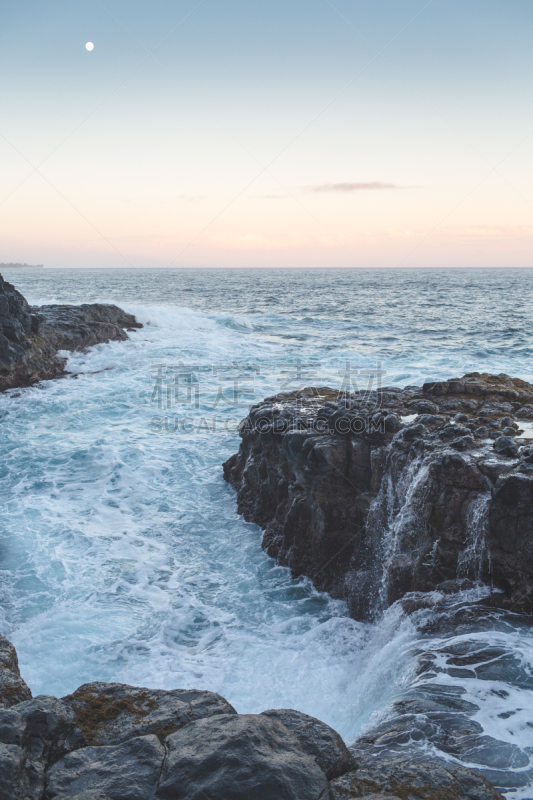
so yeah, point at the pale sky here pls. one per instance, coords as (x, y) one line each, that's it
(267, 133)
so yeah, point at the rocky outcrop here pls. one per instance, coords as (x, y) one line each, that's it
(374, 495)
(110, 741)
(30, 338)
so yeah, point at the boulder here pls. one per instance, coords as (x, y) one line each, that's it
(111, 713)
(51, 730)
(12, 687)
(317, 739)
(127, 771)
(506, 446)
(239, 757)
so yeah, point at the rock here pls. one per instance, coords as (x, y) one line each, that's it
(425, 780)
(511, 537)
(327, 497)
(317, 739)
(380, 797)
(12, 687)
(238, 758)
(127, 771)
(505, 446)
(463, 443)
(88, 794)
(16, 780)
(30, 338)
(12, 726)
(111, 713)
(423, 406)
(51, 730)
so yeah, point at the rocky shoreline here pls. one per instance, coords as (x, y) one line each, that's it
(109, 741)
(375, 495)
(414, 495)
(422, 497)
(31, 338)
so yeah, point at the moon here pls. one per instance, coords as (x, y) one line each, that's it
(89, 46)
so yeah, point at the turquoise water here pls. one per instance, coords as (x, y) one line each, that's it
(122, 555)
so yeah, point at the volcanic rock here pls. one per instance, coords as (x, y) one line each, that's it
(112, 713)
(12, 687)
(370, 512)
(127, 771)
(30, 338)
(317, 739)
(425, 780)
(237, 758)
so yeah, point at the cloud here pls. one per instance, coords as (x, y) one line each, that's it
(351, 187)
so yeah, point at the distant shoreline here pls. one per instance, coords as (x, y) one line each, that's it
(21, 266)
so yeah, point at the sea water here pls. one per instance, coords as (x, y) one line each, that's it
(122, 555)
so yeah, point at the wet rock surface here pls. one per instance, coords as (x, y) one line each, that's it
(374, 495)
(31, 337)
(425, 780)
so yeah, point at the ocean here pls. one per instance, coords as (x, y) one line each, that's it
(122, 555)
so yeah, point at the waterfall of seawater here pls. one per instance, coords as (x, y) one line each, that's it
(477, 522)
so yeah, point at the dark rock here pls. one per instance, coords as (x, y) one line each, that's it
(431, 421)
(414, 431)
(463, 443)
(511, 536)
(328, 501)
(423, 407)
(425, 780)
(51, 730)
(452, 431)
(12, 687)
(88, 794)
(127, 771)
(12, 726)
(30, 338)
(505, 446)
(111, 713)
(16, 780)
(317, 739)
(239, 758)
(526, 453)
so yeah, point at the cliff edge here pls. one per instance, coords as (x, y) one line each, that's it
(373, 495)
(31, 337)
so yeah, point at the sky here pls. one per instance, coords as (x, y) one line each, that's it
(266, 133)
